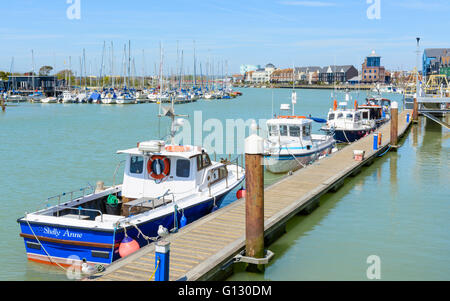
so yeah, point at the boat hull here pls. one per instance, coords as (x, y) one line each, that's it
(291, 162)
(68, 245)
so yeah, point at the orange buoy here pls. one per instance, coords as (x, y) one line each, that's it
(240, 194)
(128, 246)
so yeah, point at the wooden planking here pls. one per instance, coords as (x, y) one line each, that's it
(203, 245)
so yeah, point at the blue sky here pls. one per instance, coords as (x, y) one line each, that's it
(240, 32)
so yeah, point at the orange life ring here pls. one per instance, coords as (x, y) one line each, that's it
(164, 173)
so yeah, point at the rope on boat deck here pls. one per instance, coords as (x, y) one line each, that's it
(42, 246)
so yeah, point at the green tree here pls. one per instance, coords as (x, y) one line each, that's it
(4, 75)
(45, 70)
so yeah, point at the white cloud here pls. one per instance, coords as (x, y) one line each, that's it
(308, 3)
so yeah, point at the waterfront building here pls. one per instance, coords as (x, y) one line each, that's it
(237, 78)
(372, 71)
(28, 83)
(308, 74)
(337, 74)
(436, 61)
(262, 75)
(282, 76)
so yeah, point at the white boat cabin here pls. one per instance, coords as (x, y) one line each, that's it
(290, 129)
(154, 168)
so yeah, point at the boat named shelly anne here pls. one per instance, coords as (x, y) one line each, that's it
(164, 185)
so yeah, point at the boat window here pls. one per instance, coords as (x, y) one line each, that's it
(330, 116)
(273, 130)
(357, 117)
(365, 115)
(340, 115)
(183, 168)
(203, 161)
(136, 164)
(349, 116)
(283, 130)
(306, 130)
(217, 174)
(294, 131)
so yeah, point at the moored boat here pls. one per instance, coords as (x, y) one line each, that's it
(164, 184)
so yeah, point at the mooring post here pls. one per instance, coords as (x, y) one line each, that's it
(394, 124)
(162, 257)
(2, 102)
(254, 199)
(415, 111)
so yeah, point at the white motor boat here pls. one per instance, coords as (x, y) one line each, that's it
(290, 144)
(49, 100)
(164, 185)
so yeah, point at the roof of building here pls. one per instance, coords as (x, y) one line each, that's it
(436, 52)
(373, 54)
(269, 65)
(336, 68)
(307, 69)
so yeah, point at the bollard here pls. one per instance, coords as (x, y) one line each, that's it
(415, 111)
(375, 141)
(254, 199)
(2, 103)
(394, 124)
(162, 254)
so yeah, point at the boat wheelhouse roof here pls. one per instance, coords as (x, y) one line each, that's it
(290, 120)
(190, 152)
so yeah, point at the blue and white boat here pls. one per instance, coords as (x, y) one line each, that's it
(163, 185)
(290, 145)
(349, 124)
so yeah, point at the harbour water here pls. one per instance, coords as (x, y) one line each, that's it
(397, 209)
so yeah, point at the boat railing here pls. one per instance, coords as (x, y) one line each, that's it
(79, 210)
(152, 200)
(69, 196)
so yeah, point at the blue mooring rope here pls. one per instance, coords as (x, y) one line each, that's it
(385, 152)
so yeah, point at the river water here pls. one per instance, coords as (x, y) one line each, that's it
(397, 209)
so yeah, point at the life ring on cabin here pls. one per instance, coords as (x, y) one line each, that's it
(164, 167)
(178, 148)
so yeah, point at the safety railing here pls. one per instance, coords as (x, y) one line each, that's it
(153, 201)
(79, 210)
(68, 196)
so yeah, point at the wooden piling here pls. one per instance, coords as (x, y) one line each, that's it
(415, 111)
(2, 103)
(254, 200)
(394, 124)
